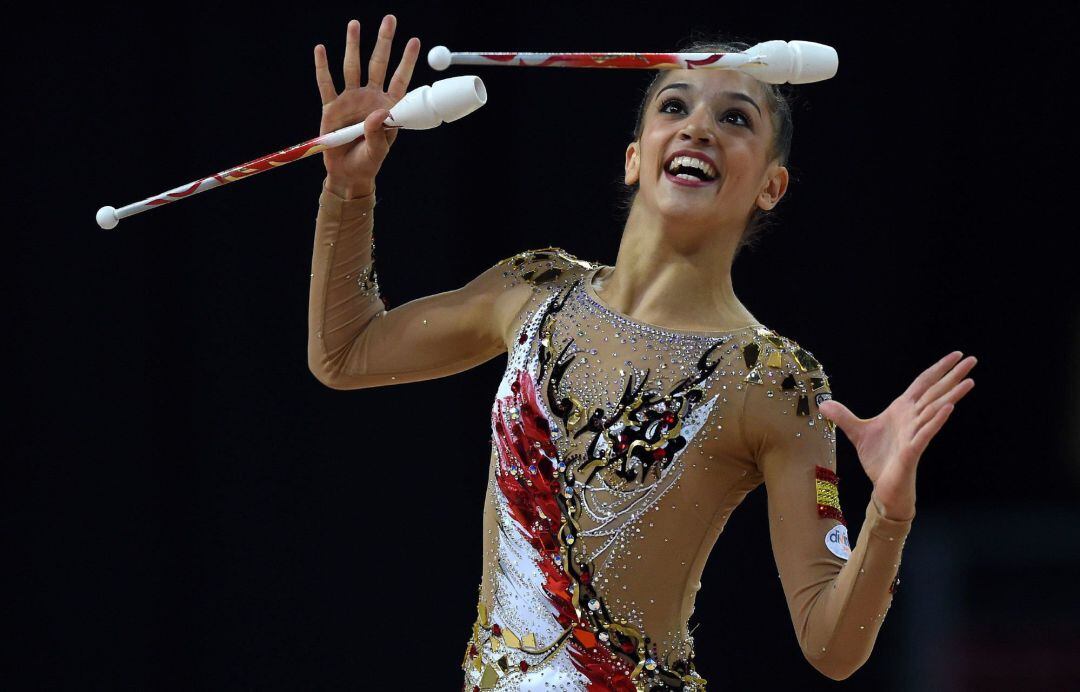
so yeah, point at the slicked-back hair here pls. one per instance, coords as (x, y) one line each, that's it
(778, 100)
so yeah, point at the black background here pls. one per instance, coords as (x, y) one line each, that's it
(187, 507)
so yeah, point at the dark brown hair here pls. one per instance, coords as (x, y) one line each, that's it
(778, 100)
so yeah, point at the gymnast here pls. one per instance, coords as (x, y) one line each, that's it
(641, 402)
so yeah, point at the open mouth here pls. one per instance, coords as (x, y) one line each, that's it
(690, 168)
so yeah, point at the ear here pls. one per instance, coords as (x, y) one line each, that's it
(633, 164)
(776, 185)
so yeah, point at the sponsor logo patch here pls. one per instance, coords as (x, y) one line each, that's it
(836, 540)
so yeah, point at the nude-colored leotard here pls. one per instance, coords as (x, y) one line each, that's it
(619, 451)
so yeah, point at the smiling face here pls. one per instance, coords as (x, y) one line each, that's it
(703, 157)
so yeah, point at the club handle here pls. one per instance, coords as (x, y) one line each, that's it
(423, 108)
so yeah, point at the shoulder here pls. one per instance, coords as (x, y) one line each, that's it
(783, 379)
(771, 354)
(543, 267)
(529, 277)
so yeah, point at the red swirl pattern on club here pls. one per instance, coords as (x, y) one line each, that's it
(641, 61)
(244, 170)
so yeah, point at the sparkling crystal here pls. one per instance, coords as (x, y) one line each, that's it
(580, 411)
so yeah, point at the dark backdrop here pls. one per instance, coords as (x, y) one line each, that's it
(187, 507)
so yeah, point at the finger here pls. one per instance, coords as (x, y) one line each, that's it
(926, 416)
(947, 382)
(327, 91)
(380, 55)
(931, 375)
(375, 136)
(351, 67)
(951, 397)
(958, 392)
(922, 439)
(399, 84)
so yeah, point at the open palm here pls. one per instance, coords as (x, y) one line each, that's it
(891, 443)
(353, 166)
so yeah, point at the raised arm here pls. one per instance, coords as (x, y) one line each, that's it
(353, 341)
(837, 597)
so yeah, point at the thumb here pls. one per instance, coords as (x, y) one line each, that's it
(838, 413)
(374, 134)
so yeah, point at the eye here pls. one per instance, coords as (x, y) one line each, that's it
(677, 105)
(743, 120)
(672, 102)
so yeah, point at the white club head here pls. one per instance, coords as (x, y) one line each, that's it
(795, 62)
(443, 102)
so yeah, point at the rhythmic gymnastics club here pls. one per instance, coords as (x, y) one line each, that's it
(774, 62)
(421, 109)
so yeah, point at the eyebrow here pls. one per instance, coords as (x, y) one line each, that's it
(733, 94)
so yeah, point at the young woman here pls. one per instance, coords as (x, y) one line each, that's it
(640, 404)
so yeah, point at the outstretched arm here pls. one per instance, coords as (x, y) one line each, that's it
(837, 596)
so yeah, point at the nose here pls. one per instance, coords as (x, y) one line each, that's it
(694, 128)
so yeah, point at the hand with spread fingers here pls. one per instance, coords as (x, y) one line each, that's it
(351, 168)
(890, 444)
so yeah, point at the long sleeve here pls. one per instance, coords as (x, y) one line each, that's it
(355, 342)
(837, 596)
(344, 295)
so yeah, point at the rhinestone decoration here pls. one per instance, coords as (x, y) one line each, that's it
(617, 446)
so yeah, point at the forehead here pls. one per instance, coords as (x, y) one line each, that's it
(711, 82)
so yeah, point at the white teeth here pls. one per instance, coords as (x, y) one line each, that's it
(701, 165)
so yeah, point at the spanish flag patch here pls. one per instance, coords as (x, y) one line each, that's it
(827, 485)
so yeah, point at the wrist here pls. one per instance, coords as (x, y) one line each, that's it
(348, 189)
(892, 513)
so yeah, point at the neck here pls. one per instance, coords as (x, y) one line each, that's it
(667, 275)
